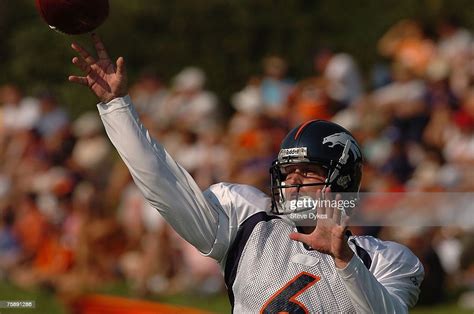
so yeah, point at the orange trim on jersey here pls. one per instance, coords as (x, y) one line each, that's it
(293, 298)
(302, 127)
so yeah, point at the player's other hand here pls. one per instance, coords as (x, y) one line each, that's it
(329, 236)
(106, 79)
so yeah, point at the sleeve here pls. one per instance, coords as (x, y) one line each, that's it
(163, 182)
(391, 285)
(237, 203)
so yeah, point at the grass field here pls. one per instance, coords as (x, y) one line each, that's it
(46, 303)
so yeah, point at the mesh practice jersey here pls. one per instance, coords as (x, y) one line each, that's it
(265, 271)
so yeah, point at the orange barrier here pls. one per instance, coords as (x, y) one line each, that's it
(101, 304)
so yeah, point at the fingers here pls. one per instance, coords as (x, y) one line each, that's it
(320, 210)
(121, 66)
(337, 212)
(99, 47)
(345, 222)
(300, 237)
(326, 197)
(330, 209)
(340, 231)
(81, 64)
(83, 53)
(326, 192)
(78, 80)
(86, 68)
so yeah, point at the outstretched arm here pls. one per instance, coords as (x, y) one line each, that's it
(163, 182)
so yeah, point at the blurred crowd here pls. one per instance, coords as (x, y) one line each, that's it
(72, 218)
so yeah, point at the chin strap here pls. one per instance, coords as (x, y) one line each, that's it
(341, 162)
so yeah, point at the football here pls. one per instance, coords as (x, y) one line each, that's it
(73, 17)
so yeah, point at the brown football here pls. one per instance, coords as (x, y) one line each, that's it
(73, 16)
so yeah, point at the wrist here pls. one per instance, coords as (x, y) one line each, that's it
(344, 258)
(106, 100)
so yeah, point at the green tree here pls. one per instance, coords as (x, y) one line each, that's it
(227, 38)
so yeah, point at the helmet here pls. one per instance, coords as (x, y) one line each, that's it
(323, 143)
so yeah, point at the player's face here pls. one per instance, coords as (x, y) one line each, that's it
(304, 174)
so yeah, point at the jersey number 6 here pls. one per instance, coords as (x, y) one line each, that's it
(284, 300)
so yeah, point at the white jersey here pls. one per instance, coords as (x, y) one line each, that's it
(264, 270)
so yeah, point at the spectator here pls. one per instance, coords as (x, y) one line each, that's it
(406, 43)
(189, 105)
(19, 113)
(148, 93)
(343, 80)
(53, 117)
(275, 87)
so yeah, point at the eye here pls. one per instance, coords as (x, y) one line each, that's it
(310, 171)
(286, 170)
(313, 175)
(316, 172)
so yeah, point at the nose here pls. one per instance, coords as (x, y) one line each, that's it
(294, 178)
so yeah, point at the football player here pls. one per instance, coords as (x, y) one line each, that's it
(271, 262)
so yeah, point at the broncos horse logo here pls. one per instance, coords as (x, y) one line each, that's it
(341, 139)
